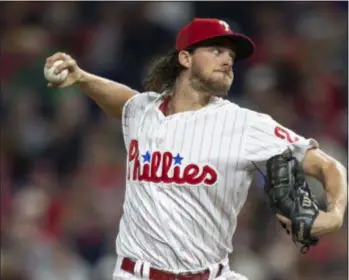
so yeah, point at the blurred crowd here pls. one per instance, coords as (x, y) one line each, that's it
(62, 159)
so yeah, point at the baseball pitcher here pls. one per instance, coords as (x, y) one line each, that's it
(191, 156)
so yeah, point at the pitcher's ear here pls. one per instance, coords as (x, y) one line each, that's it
(185, 58)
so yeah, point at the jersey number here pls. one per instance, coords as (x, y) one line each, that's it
(284, 134)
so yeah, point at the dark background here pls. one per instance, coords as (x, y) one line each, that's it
(62, 159)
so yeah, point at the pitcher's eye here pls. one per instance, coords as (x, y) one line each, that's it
(217, 51)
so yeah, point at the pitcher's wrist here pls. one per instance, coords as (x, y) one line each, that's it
(336, 217)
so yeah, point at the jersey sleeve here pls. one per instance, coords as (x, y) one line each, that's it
(128, 112)
(266, 138)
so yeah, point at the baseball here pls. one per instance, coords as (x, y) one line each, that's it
(52, 77)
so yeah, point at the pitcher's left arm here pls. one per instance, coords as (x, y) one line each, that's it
(333, 176)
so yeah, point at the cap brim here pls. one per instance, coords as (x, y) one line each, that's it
(244, 47)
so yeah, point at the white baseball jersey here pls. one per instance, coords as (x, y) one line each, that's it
(187, 179)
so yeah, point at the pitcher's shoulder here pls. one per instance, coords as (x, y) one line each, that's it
(250, 113)
(145, 97)
(225, 104)
(141, 99)
(257, 115)
(221, 103)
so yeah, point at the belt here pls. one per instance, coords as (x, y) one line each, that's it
(155, 274)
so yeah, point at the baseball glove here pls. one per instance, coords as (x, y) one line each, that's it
(289, 195)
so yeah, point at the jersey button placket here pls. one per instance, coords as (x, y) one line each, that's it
(160, 134)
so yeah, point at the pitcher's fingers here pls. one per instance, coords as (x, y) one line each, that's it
(55, 86)
(57, 56)
(68, 64)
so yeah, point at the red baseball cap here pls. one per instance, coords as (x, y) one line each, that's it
(202, 29)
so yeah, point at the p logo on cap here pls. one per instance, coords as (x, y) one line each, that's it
(226, 25)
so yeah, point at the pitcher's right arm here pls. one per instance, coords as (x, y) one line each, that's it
(110, 96)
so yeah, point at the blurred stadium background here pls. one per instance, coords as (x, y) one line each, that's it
(62, 159)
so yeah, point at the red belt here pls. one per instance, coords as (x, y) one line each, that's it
(155, 274)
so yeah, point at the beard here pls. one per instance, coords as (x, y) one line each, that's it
(212, 84)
